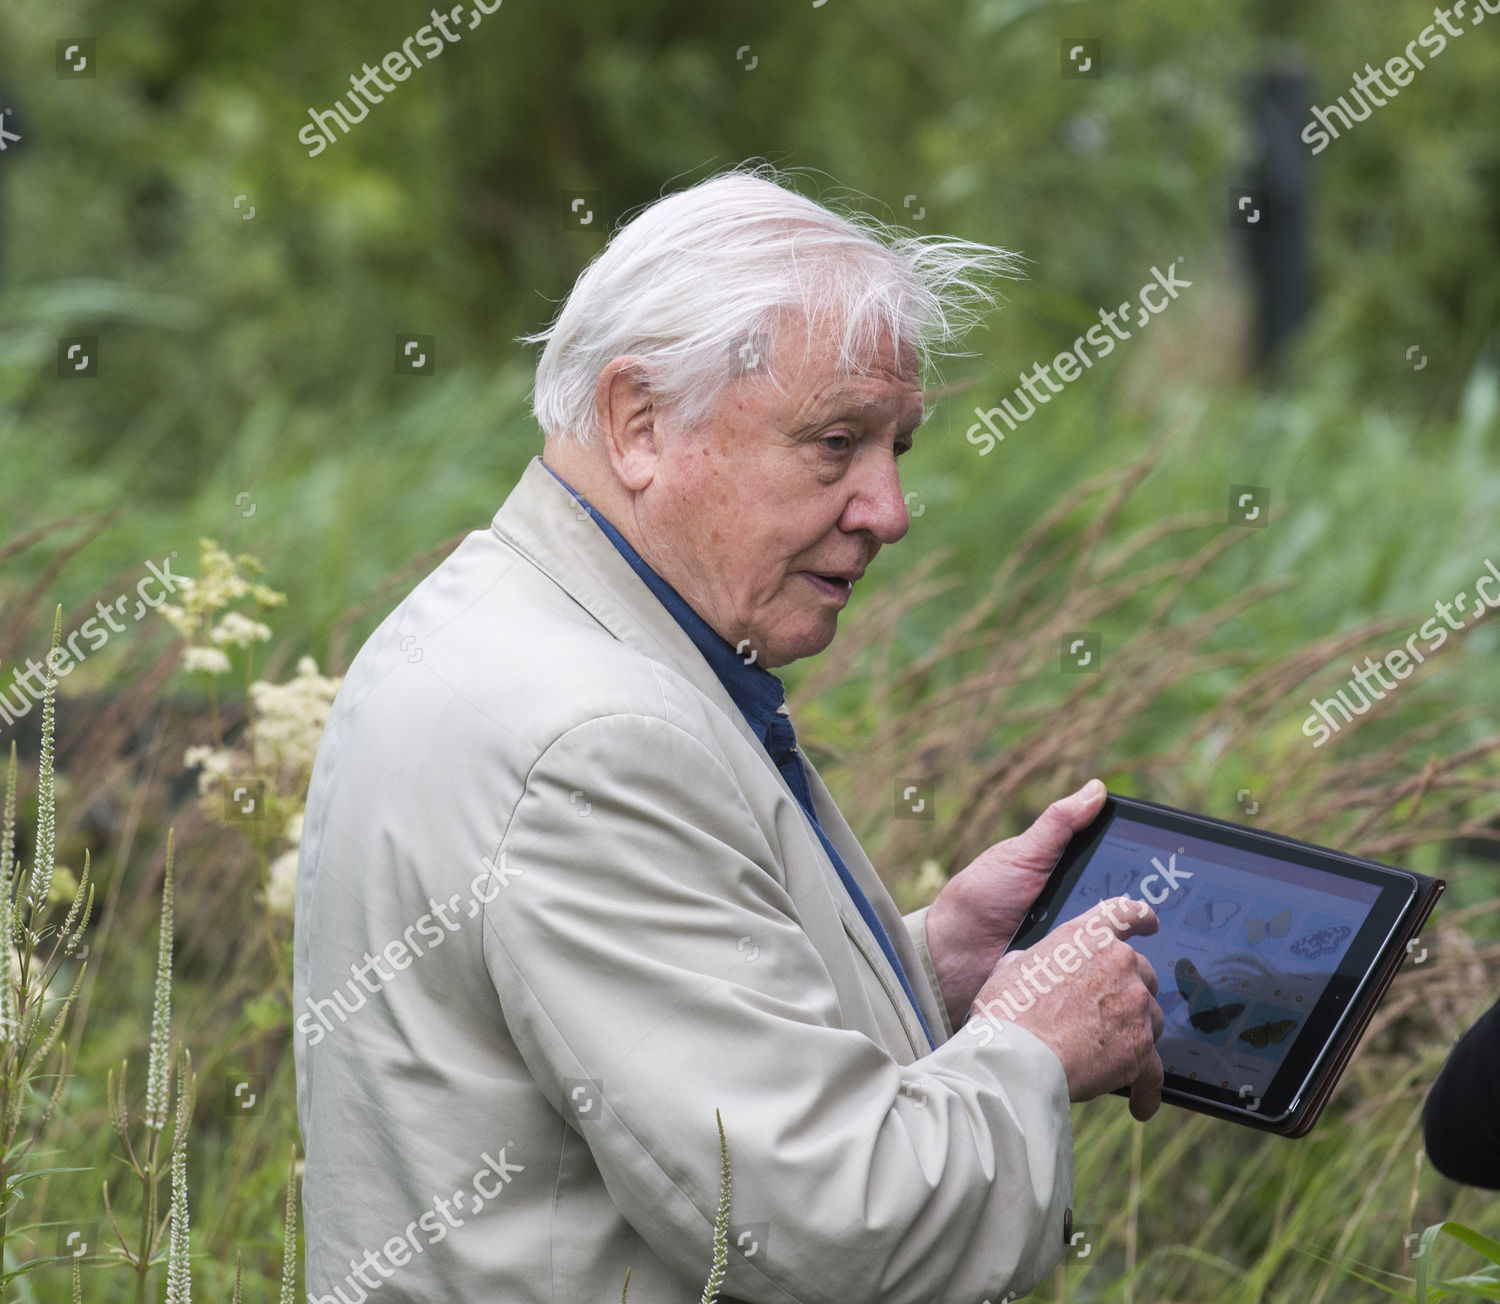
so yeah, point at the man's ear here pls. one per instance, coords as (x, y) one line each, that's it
(627, 413)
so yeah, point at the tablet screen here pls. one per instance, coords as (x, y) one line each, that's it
(1270, 958)
(1247, 948)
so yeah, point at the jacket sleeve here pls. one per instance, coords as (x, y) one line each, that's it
(1460, 1123)
(643, 944)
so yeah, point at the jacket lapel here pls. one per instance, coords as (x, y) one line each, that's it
(858, 864)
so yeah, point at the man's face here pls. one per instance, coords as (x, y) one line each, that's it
(763, 516)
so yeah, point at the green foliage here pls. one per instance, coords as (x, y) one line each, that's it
(290, 398)
(247, 394)
(1484, 1284)
(30, 968)
(155, 1153)
(33, 950)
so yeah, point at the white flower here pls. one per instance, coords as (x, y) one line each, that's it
(930, 880)
(178, 618)
(215, 765)
(240, 630)
(211, 660)
(289, 717)
(281, 889)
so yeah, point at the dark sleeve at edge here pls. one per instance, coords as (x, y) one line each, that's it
(1461, 1120)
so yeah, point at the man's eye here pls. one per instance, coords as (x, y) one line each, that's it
(833, 444)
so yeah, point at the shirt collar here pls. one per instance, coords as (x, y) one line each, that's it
(758, 693)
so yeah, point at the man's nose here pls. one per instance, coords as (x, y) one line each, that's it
(877, 504)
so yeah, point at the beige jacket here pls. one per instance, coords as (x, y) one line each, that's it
(555, 907)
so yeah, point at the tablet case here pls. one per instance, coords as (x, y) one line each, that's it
(1304, 1114)
(1300, 1121)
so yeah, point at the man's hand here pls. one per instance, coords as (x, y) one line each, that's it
(978, 911)
(1091, 998)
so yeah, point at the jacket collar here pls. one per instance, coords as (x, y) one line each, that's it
(563, 536)
(757, 693)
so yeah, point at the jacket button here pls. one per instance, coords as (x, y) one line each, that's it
(1068, 1226)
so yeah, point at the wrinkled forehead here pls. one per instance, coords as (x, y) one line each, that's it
(810, 383)
(805, 351)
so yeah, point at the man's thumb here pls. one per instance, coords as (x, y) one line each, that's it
(1080, 807)
(1090, 793)
(1054, 826)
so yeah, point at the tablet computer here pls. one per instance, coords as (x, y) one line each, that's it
(1271, 958)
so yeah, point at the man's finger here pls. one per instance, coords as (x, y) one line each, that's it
(1148, 974)
(1129, 917)
(1124, 916)
(1145, 1091)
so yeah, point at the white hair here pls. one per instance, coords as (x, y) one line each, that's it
(695, 275)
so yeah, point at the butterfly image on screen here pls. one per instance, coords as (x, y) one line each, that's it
(1323, 941)
(1268, 1034)
(1257, 930)
(1208, 915)
(1101, 887)
(1213, 1016)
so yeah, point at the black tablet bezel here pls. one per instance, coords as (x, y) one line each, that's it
(1295, 1079)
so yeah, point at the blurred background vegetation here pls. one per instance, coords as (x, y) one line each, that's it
(246, 300)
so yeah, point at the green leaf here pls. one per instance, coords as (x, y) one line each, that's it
(1478, 1286)
(1474, 1240)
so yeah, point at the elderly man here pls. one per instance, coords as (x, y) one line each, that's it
(568, 886)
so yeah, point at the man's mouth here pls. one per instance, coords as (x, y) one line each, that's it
(837, 586)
